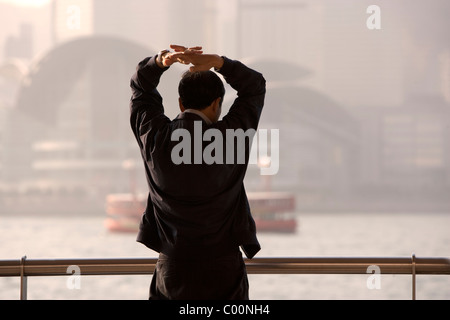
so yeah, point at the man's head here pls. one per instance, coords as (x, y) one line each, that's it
(203, 91)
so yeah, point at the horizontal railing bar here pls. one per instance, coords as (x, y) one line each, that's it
(305, 265)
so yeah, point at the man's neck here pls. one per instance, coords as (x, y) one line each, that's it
(201, 114)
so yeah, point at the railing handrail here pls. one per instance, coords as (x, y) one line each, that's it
(25, 268)
(275, 265)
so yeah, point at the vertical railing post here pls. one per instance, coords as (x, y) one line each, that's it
(23, 279)
(413, 262)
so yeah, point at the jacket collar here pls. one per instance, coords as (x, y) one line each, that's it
(193, 114)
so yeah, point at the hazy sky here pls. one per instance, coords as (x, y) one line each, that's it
(26, 3)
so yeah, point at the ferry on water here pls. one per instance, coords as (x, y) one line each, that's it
(272, 211)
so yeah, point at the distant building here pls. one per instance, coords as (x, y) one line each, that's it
(78, 95)
(319, 143)
(147, 23)
(11, 73)
(20, 46)
(3, 133)
(405, 157)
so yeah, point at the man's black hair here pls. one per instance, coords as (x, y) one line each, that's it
(199, 89)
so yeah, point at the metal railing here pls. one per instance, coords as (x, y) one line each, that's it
(413, 266)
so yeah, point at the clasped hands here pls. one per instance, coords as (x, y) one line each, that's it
(194, 56)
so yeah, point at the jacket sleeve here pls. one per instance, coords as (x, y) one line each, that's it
(251, 89)
(146, 108)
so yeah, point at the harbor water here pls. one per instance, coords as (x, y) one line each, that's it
(318, 235)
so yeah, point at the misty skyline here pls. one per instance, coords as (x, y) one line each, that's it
(359, 110)
(328, 38)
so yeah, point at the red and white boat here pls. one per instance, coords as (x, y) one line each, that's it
(272, 211)
(124, 212)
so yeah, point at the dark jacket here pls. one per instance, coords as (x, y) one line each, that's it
(194, 206)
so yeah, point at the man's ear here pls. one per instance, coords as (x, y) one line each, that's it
(181, 105)
(217, 103)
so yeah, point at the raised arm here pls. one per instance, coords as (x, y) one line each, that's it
(143, 86)
(251, 89)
